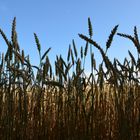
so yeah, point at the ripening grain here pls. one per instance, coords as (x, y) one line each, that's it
(64, 103)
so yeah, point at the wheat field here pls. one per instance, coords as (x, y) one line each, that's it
(64, 103)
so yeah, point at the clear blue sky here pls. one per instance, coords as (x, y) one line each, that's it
(57, 22)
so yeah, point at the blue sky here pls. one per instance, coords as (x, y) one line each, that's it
(57, 22)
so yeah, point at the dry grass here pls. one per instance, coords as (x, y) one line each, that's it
(58, 105)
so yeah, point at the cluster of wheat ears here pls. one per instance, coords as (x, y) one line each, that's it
(67, 104)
